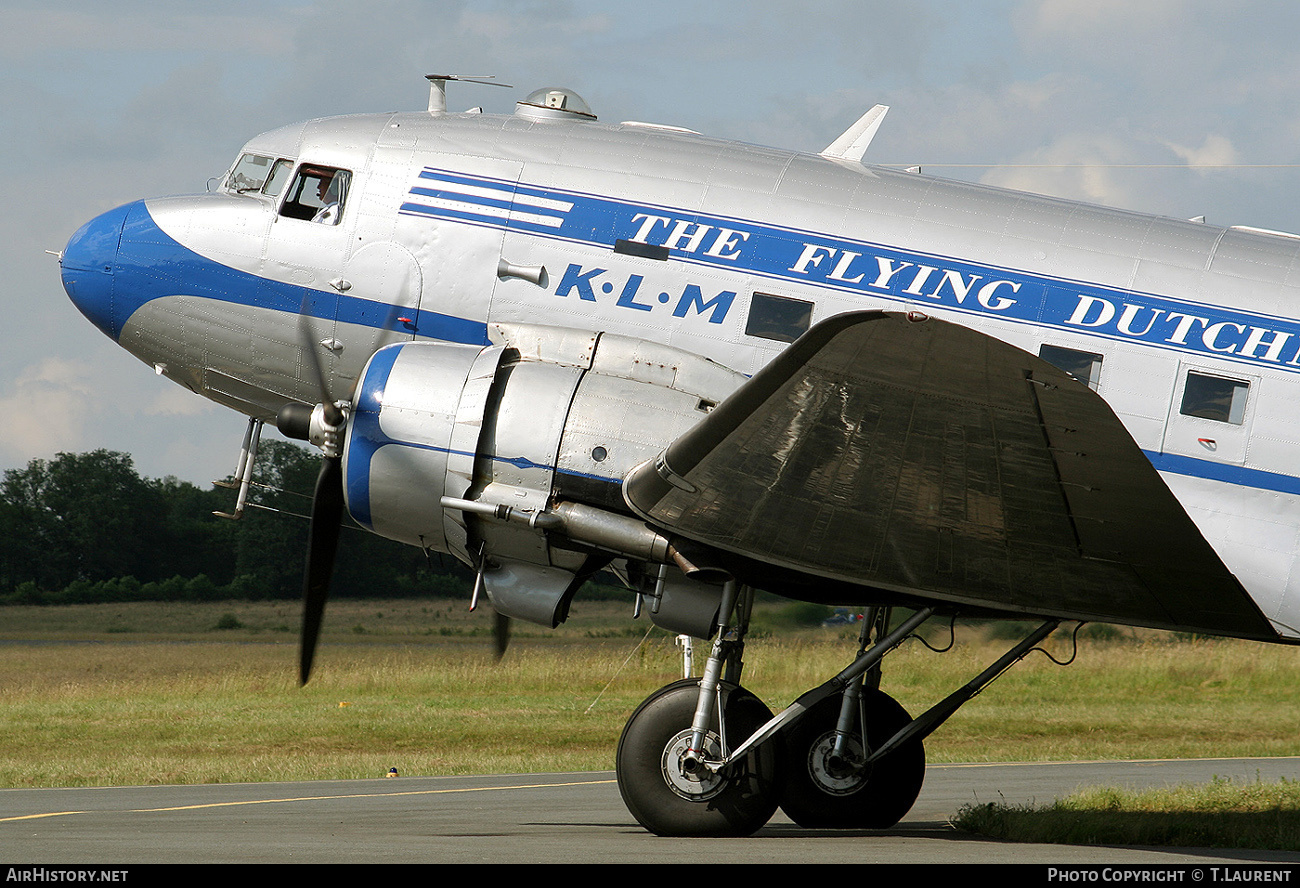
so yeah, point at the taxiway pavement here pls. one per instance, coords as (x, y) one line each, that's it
(555, 818)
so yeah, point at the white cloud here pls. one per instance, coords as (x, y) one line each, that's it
(63, 404)
(1215, 151)
(1078, 166)
(1075, 18)
(49, 408)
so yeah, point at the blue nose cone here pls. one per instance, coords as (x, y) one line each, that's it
(87, 268)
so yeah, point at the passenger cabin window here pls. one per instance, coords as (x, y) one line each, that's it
(318, 194)
(260, 174)
(1083, 366)
(778, 318)
(1215, 397)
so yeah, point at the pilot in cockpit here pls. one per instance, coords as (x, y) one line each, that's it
(327, 191)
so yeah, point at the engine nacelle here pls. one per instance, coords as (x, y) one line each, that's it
(542, 416)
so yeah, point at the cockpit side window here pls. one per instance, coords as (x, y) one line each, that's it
(279, 175)
(317, 194)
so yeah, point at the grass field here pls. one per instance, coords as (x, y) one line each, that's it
(1219, 814)
(190, 693)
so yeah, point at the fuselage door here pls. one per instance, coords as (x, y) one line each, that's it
(307, 247)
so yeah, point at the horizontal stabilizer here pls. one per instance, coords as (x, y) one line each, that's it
(853, 143)
(920, 457)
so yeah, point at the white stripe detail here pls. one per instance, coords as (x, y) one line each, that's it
(473, 209)
(504, 193)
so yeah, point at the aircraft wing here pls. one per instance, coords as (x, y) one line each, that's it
(918, 456)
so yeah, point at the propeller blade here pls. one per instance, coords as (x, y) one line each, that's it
(311, 347)
(322, 542)
(501, 634)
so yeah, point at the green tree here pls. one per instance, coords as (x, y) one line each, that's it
(195, 541)
(87, 527)
(81, 517)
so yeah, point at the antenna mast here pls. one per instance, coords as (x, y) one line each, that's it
(438, 88)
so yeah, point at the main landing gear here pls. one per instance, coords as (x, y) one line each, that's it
(705, 757)
(663, 770)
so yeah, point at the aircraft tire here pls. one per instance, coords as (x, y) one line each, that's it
(815, 794)
(669, 802)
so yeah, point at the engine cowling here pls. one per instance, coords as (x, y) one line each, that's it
(539, 419)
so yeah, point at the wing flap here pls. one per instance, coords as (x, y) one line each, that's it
(919, 456)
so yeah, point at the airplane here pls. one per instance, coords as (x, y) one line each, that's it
(552, 346)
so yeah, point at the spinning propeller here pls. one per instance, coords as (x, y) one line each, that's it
(323, 425)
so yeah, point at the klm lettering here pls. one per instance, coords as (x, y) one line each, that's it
(633, 295)
(899, 277)
(1185, 330)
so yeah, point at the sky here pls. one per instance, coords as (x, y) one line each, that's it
(1177, 107)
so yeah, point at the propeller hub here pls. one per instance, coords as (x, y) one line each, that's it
(321, 425)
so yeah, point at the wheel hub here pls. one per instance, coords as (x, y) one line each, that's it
(837, 774)
(684, 771)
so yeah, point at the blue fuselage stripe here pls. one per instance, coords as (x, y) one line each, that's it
(838, 263)
(157, 266)
(1239, 476)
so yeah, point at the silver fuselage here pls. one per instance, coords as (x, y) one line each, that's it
(459, 226)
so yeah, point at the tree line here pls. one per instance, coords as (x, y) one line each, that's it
(87, 527)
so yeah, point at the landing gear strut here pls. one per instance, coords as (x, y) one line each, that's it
(671, 753)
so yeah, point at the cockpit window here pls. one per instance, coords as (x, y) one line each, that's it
(249, 174)
(317, 194)
(257, 173)
(279, 175)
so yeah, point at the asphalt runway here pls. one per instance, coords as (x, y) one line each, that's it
(554, 818)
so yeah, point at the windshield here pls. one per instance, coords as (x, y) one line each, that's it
(249, 174)
(258, 173)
